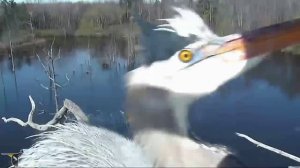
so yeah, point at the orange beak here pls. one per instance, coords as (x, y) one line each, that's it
(264, 40)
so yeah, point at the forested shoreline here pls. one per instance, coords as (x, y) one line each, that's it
(24, 22)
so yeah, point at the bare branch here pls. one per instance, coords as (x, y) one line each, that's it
(20, 122)
(58, 56)
(68, 79)
(29, 121)
(68, 106)
(30, 116)
(76, 110)
(58, 85)
(52, 75)
(45, 69)
(53, 80)
(51, 49)
(259, 144)
(41, 112)
(43, 86)
(58, 115)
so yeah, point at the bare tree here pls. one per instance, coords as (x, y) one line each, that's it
(52, 75)
(31, 25)
(11, 55)
(49, 68)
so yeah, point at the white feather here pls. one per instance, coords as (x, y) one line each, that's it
(188, 23)
(80, 145)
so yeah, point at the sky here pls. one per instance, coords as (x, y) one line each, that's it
(19, 1)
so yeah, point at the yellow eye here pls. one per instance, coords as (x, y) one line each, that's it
(185, 56)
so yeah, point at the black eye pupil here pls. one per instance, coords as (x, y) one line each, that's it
(185, 55)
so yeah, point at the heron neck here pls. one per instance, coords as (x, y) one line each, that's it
(149, 108)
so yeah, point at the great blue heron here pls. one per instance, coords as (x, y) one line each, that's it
(158, 98)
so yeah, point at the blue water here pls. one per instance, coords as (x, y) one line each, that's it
(96, 90)
(263, 103)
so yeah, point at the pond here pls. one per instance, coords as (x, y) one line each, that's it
(263, 103)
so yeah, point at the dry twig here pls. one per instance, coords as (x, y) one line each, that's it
(68, 106)
(270, 148)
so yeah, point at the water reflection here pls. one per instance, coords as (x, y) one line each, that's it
(285, 66)
(3, 91)
(263, 103)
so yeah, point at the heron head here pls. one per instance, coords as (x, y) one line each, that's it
(181, 67)
(192, 69)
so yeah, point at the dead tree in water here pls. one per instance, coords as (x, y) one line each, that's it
(49, 68)
(31, 26)
(52, 76)
(11, 51)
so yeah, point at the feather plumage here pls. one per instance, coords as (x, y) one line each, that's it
(187, 23)
(81, 145)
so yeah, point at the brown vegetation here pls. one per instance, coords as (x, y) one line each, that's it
(114, 18)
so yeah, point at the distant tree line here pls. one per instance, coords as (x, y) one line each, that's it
(13, 17)
(225, 16)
